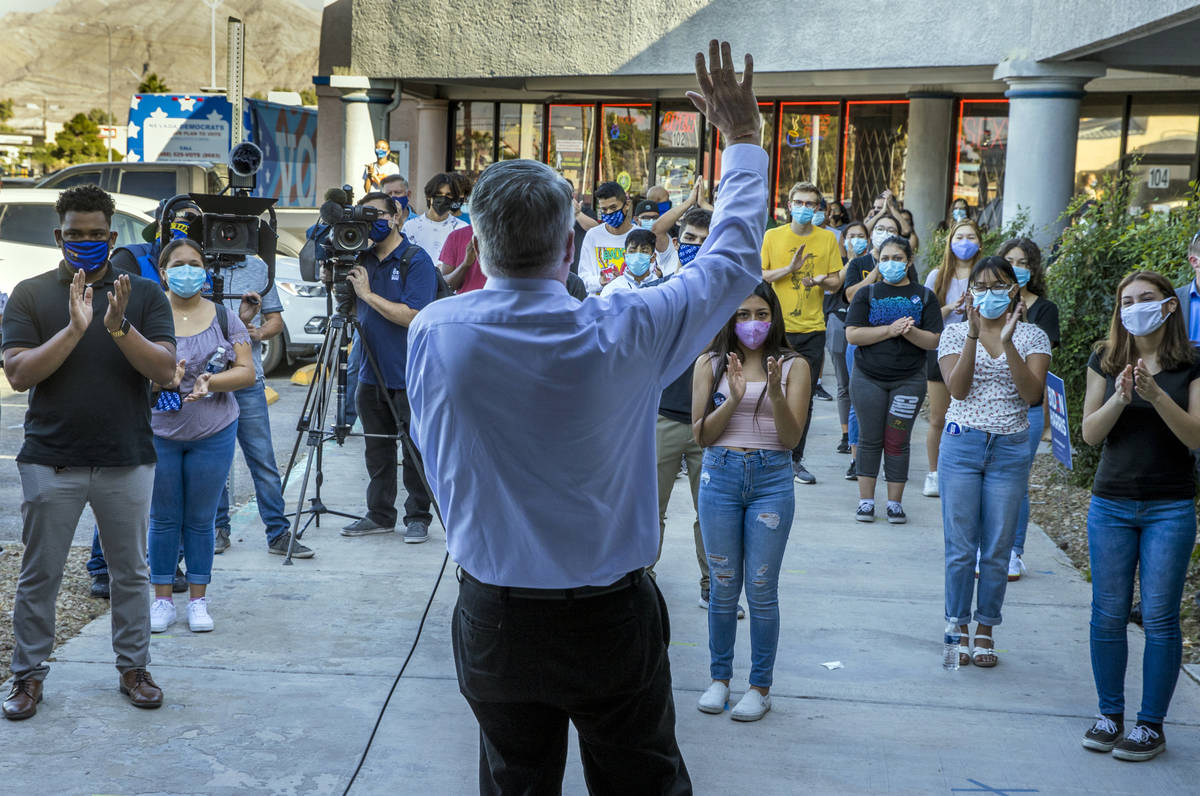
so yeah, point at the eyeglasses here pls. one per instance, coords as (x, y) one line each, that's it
(979, 291)
(798, 203)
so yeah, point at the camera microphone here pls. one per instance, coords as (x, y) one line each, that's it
(337, 195)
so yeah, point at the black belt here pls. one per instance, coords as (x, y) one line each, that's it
(626, 581)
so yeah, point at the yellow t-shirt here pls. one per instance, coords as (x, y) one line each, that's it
(802, 306)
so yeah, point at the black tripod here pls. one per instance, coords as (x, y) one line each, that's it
(329, 383)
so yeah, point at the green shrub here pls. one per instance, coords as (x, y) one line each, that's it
(1091, 259)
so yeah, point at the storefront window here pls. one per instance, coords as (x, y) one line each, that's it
(1161, 152)
(807, 149)
(875, 145)
(1098, 150)
(474, 131)
(571, 144)
(678, 129)
(625, 146)
(520, 131)
(980, 150)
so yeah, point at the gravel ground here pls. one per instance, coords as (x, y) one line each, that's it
(1061, 510)
(75, 606)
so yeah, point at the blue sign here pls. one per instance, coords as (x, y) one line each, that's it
(1060, 437)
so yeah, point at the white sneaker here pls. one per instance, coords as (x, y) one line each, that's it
(1016, 567)
(714, 699)
(198, 619)
(931, 485)
(751, 707)
(162, 615)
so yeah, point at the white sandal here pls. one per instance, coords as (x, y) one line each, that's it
(977, 652)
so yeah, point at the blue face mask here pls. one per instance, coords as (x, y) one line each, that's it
(958, 214)
(859, 245)
(818, 218)
(615, 219)
(403, 200)
(88, 256)
(1022, 274)
(802, 215)
(637, 263)
(688, 252)
(663, 207)
(381, 153)
(992, 306)
(185, 281)
(892, 271)
(380, 229)
(646, 223)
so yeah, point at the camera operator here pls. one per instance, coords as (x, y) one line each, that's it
(555, 621)
(392, 281)
(90, 339)
(262, 317)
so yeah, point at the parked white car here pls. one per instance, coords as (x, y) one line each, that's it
(27, 248)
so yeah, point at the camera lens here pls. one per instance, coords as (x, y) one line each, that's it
(227, 233)
(349, 237)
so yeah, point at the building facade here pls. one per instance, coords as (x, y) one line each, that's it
(1014, 107)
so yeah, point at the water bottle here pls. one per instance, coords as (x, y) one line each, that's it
(951, 639)
(216, 364)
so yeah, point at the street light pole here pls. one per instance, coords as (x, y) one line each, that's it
(111, 119)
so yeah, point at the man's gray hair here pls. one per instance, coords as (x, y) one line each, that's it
(521, 211)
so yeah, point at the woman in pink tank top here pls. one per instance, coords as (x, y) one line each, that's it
(749, 402)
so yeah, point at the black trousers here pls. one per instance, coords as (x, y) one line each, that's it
(527, 667)
(811, 346)
(381, 458)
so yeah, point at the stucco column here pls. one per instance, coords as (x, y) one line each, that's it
(362, 125)
(429, 157)
(927, 162)
(1043, 125)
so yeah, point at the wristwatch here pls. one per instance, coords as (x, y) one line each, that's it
(122, 330)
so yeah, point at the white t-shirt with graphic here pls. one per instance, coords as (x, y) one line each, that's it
(993, 404)
(431, 235)
(603, 253)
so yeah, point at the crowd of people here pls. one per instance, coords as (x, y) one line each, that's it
(182, 376)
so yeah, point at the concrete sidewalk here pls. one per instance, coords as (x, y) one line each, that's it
(282, 697)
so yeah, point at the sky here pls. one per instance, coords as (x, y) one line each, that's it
(37, 5)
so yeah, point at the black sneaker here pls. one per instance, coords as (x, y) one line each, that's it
(221, 543)
(820, 394)
(844, 445)
(1103, 735)
(865, 513)
(896, 516)
(1142, 743)
(100, 586)
(279, 547)
(802, 475)
(179, 585)
(851, 471)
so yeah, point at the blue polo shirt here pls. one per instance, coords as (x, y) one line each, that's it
(389, 341)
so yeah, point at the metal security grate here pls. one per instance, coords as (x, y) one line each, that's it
(875, 157)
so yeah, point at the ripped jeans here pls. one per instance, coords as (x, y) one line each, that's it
(747, 500)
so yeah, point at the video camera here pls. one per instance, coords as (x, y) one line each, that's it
(346, 235)
(231, 226)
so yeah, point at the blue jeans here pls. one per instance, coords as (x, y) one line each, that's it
(187, 482)
(1154, 537)
(852, 422)
(96, 565)
(746, 505)
(982, 478)
(254, 436)
(1037, 424)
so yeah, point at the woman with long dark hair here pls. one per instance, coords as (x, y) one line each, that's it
(1143, 404)
(1026, 260)
(994, 367)
(949, 283)
(750, 396)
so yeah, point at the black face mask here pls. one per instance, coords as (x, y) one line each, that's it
(441, 204)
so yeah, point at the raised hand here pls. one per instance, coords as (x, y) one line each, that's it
(736, 378)
(1124, 385)
(774, 378)
(118, 300)
(200, 388)
(973, 321)
(249, 306)
(79, 301)
(798, 260)
(1144, 383)
(1010, 323)
(729, 105)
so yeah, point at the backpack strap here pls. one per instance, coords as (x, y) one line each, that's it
(223, 318)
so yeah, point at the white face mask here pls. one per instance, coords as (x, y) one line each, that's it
(878, 236)
(1144, 317)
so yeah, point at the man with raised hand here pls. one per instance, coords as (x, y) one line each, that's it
(556, 621)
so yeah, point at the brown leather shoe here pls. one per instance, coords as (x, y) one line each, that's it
(23, 699)
(139, 686)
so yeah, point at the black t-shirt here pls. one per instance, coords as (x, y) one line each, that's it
(1142, 458)
(881, 304)
(94, 411)
(1044, 314)
(676, 401)
(856, 271)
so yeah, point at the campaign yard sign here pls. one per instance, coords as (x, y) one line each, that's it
(1060, 437)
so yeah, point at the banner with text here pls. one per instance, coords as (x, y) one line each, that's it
(288, 137)
(1060, 436)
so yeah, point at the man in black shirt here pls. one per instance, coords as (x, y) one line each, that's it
(87, 339)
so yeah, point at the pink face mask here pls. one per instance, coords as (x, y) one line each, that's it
(752, 333)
